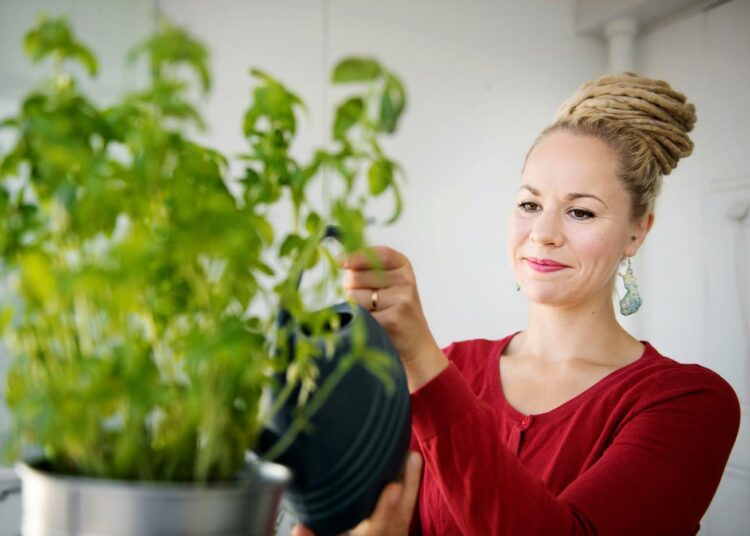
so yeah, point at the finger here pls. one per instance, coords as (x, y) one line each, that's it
(371, 279)
(412, 476)
(377, 257)
(301, 530)
(364, 297)
(363, 529)
(387, 505)
(368, 278)
(385, 297)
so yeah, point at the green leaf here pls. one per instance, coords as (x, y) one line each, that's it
(85, 56)
(348, 114)
(397, 202)
(9, 122)
(53, 36)
(392, 104)
(291, 244)
(313, 223)
(265, 229)
(273, 102)
(380, 176)
(11, 160)
(351, 224)
(37, 277)
(171, 48)
(264, 268)
(269, 80)
(249, 120)
(6, 315)
(313, 259)
(356, 70)
(264, 76)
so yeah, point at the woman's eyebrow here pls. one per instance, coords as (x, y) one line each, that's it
(575, 195)
(571, 196)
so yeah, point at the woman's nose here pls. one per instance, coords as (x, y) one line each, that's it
(547, 229)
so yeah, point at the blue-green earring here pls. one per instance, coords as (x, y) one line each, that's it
(631, 302)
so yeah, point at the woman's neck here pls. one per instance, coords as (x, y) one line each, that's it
(585, 333)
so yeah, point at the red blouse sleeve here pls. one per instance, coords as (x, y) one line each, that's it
(658, 475)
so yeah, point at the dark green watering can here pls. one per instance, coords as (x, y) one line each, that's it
(359, 437)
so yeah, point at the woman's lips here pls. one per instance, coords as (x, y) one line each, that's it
(544, 265)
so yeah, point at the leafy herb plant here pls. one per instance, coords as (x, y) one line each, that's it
(136, 273)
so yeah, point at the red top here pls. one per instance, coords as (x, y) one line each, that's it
(641, 452)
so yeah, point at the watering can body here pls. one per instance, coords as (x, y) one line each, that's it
(358, 439)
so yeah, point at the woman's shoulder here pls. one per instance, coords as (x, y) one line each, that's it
(476, 360)
(691, 383)
(672, 371)
(472, 345)
(471, 351)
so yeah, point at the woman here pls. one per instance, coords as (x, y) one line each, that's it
(571, 426)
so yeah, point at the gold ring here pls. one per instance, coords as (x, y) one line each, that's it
(374, 300)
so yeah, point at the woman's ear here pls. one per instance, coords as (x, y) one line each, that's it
(638, 231)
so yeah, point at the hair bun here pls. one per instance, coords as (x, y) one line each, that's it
(650, 109)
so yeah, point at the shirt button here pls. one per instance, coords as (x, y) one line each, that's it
(524, 423)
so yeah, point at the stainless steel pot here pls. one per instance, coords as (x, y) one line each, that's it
(56, 505)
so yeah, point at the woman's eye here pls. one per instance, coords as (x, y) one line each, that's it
(529, 206)
(581, 214)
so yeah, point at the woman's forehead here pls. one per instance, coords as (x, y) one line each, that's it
(567, 163)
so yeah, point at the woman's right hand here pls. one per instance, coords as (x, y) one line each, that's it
(390, 294)
(394, 509)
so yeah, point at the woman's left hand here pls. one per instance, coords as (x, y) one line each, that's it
(390, 294)
(395, 507)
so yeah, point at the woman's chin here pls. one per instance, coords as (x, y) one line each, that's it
(546, 296)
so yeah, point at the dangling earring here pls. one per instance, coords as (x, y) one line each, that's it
(631, 302)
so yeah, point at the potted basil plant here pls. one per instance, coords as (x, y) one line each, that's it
(145, 279)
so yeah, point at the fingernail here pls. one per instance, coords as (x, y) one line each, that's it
(415, 460)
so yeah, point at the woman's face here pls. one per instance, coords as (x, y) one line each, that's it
(571, 225)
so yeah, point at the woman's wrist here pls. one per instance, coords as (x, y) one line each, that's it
(424, 367)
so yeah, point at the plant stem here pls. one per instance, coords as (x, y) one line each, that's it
(285, 441)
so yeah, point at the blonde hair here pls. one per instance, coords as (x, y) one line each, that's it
(644, 121)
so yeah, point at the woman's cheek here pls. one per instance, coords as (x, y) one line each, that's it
(596, 249)
(518, 228)
(515, 238)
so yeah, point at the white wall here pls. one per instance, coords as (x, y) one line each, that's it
(691, 277)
